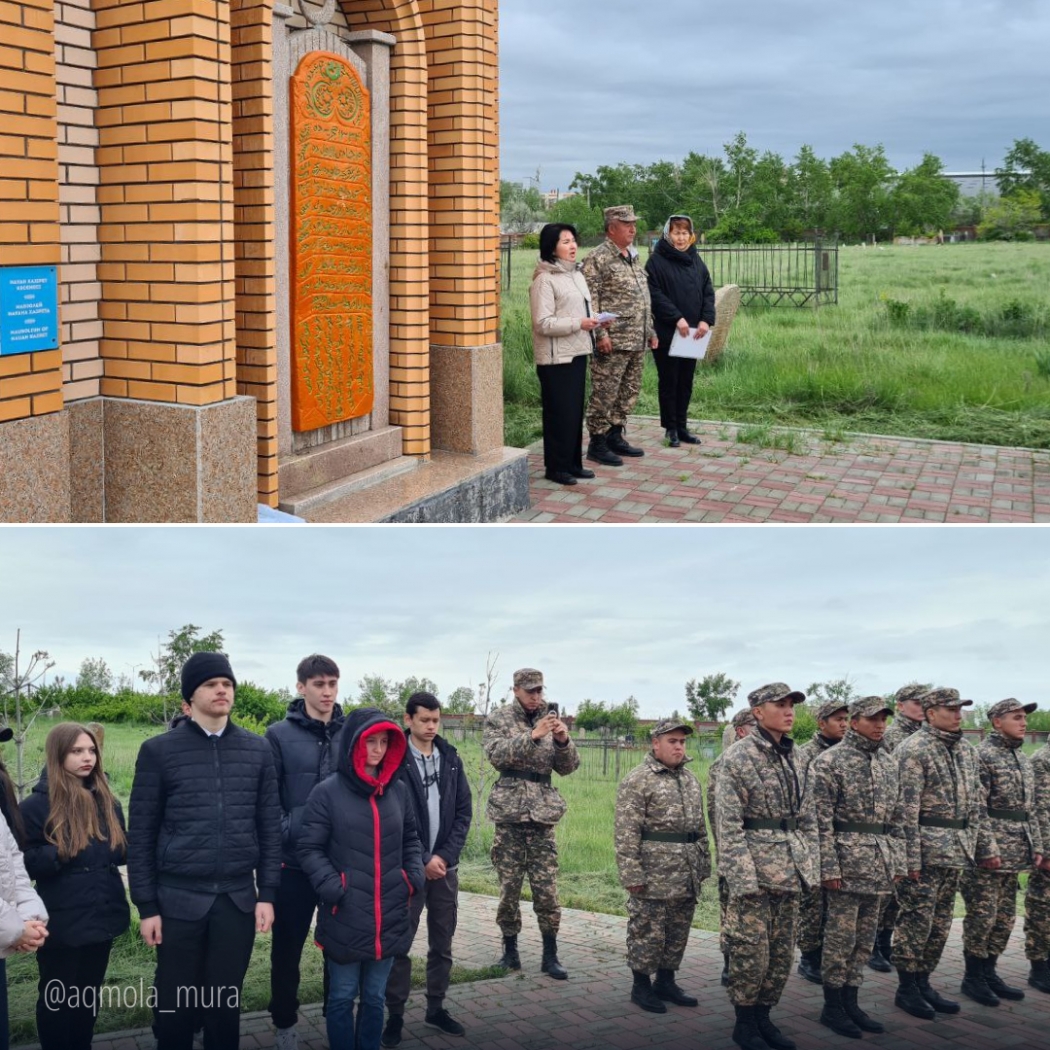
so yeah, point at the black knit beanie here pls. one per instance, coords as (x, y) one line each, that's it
(202, 667)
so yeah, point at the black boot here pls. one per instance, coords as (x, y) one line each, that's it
(665, 988)
(834, 1014)
(880, 952)
(550, 964)
(599, 451)
(510, 959)
(685, 437)
(769, 1031)
(642, 994)
(933, 997)
(392, 1032)
(856, 1014)
(974, 985)
(725, 969)
(909, 998)
(998, 986)
(745, 1031)
(618, 443)
(1039, 975)
(672, 438)
(809, 966)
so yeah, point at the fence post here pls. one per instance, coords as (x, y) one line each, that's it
(816, 271)
(617, 760)
(605, 757)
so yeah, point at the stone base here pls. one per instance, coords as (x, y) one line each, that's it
(727, 302)
(466, 398)
(34, 469)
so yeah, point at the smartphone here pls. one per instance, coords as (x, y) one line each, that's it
(552, 709)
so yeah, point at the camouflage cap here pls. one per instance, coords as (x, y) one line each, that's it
(666, 725)
(1010, 704)
(744, 718)
(909, 692)
(943, 697)
(767, 694)
(829, 707)
(620, 213)
(528, 678)
(869, 706)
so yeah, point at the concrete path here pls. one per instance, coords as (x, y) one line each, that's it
(592, 1011)
(860, 479)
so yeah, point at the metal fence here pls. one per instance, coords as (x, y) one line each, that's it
(804, 274)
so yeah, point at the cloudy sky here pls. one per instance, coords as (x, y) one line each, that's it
(605, 613)
(593, 82)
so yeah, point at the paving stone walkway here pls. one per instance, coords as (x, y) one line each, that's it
(859, 479)
(592, 1011)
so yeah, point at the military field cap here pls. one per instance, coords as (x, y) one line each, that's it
(767, 694)
(528, 678)
(869, 706)
(744, 718)
(909, 692)
(829, 707)
(1004, 706)
(620, 213)
(943, 697)
(668, 725)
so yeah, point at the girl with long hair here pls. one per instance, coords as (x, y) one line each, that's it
(75, 844)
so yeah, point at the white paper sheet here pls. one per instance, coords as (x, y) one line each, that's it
(687, 346)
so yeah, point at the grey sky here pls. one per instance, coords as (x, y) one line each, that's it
(603, 612)
(596, 82)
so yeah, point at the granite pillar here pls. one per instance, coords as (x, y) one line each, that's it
(34, 469)
(466, 398)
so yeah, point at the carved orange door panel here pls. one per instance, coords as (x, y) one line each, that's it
(332, 375)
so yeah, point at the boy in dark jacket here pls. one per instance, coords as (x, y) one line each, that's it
(303, 754)
(358, 845)
(205, 830)
(440, 794)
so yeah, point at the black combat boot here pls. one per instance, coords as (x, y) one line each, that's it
(856, 1014)
(974, 985)
(834, 1014)
(933, 997)
(1039, 975)
(745, 1031)
(685, 437)
(510, 959)
(809, 966)
(671, 437)
(769, 1031)
(909, 998)
(665, 988)
(618, 443)
(642, 994)
(598, 450)
(550, 964)
(725, 969)
(998, 986)
(880, 952)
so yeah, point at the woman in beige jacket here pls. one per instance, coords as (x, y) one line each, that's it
(561, 340)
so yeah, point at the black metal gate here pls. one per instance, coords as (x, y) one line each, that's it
(777, 274)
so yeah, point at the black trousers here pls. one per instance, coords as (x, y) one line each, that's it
(66, 1012)
(201, 965)
(675, 387)
(562, 393)
(293, 912)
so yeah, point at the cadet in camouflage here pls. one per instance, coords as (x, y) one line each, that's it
(766, 859)
(526, 742)
(662, 857)
(1037, 895)
(942, 816)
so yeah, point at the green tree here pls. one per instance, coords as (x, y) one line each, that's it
(1026, 167)
(591, 714)
(861, 203)
(709, 698)
(1011, 218)
(922, 200)
(840, 689)
(520, 208)
(460, 701)
(812, 190)
(623, 717)
(18, 683)
(95, 674)
(403, 690)
(376, 691)
(575, 211)
(166, 674)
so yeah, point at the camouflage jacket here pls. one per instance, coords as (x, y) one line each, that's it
(899, 730)
(619, 285)
(939, 779)
(1009, 783)
(1041, 772)
(758, 780)
(805, 753)
(857, 782)
(712, 780)
(655, 798)
(509, 745)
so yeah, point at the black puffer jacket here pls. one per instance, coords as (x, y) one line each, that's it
(456, 806)
(205, 815)
(303, 756)
(364, 896)
(679, 286)
(84, 896)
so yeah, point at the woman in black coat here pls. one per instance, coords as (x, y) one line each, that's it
(75, 844)
(683, 300)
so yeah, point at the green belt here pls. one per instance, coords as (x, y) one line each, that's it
(670, 836)
(861, 828)
(760, 824)
(535, 778)
(942, 822)
(1018, 815)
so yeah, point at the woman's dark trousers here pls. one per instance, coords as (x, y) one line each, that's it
(562, 393)
(66, 1011)
(675, 388)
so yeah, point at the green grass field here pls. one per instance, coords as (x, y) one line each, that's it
(867, 364)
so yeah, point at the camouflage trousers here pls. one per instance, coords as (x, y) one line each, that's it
(890, 911)
(991, 908)
(760, 936)
(1037, 916)
(925, 919)
(851, 920)
(812, 909)
(657, 932)
(723, 903)
(616, 380)
(524, 849)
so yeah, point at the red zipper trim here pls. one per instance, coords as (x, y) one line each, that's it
(378, 905)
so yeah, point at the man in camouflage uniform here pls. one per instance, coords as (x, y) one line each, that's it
(662, 856)
(1037, 896)
(526, 742)
(766, 858)
(1013, 844)
(742, 724)
(618, 285)
(942, 812)
(854, 793)
(832, 722)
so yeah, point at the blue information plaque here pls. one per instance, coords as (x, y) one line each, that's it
(28, 309)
